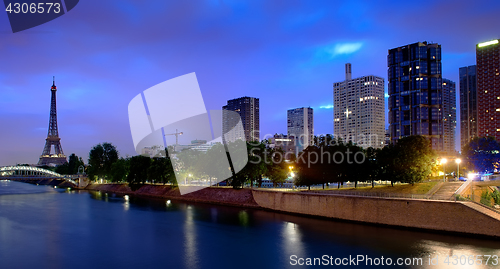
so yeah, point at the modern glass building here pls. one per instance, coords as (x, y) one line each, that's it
(450, 114)
(416, 93)
(488, 88)
(248, 109)
(359, 110)
(468, 104)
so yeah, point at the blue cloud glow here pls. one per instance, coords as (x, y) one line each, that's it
(326, 107)
(341, 49)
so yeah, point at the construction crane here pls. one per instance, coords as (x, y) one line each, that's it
(177, 133)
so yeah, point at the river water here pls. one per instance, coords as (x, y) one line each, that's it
(43, 227)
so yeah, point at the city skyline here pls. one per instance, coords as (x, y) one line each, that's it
(246, 49)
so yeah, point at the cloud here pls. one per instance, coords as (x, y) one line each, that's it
(326, 107)
(337, 49)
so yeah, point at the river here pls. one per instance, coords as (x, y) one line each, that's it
(43, 227)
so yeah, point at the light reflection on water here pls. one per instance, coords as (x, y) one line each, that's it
(50, 229)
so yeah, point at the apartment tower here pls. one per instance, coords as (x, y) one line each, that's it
(358, 110)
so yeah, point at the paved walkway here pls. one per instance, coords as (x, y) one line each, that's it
(446, 191)
(483, 209)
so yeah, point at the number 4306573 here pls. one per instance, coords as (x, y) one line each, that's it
(33, 8)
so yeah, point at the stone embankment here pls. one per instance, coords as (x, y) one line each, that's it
(222, 196)
(448, 216)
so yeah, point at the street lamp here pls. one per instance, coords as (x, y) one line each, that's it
(458, 161)
(443, 162)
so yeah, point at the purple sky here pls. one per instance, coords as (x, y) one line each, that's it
(287, 53)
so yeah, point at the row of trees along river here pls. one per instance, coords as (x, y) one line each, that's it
(327, 160)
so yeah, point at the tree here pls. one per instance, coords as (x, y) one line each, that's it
(413, 159)
(161, 170)
(482, 154)
(277, 168)
(71, 167)
(139, 166)
(101, 158)
(120, 170)
(259, 161)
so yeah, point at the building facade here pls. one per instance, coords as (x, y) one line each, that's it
(285, 143)
(488, 88)
(300, 124)
(248, 109)
(416, 93)
(468, 104)
(450, 115)
(359, 110)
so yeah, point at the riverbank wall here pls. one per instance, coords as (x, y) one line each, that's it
(453, 217)
(449, 216)
(221, 196)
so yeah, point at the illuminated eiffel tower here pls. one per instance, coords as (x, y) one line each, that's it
(53, 139)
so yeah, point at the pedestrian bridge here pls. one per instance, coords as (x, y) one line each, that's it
(31, 172)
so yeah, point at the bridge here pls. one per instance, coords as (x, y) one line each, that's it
(33, 174)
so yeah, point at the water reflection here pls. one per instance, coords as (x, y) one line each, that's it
(190, 244)
(292, 239)
(115, 231)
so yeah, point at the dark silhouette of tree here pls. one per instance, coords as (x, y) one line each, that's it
(161, 171)
(71, 167)
(101, 158)
(139, 166)
(119, 170)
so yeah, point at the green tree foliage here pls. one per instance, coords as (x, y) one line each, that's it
(482, 154)
(496, 196)
(101, 158)
(254, 169)
(486, 198)
(331, 160)
(119, 170)
(161, 171)
(413, 159)
(139, 168)
(71, 167)
(276, 169)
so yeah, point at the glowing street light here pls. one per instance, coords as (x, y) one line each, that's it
(443, 162)
(458, 161)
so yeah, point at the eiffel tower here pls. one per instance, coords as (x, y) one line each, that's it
(53, 139)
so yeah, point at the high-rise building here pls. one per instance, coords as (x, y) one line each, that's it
(300, 123)
(286, 143)
(450, 115)
(358, 110)
(248, 109)
(468, 104)
(416, 93)
(488, 88)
